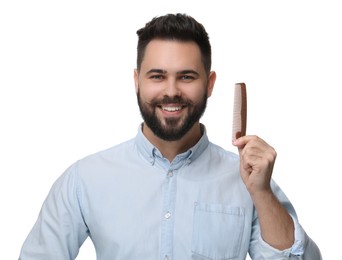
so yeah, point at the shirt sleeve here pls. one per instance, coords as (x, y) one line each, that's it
(59, 230)
(303, 247)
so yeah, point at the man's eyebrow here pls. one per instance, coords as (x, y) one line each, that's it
(188, 72)
(182, 72)
(159, 71)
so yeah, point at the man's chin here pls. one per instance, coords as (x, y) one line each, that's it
(169, 133)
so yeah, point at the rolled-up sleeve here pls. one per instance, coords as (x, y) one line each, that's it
(302, 248)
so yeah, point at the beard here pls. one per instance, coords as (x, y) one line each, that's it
(173, 128)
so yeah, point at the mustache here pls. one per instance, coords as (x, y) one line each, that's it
(171, 100)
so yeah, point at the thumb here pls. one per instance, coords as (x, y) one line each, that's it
(239, 143)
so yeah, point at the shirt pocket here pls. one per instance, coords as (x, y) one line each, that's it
(217, 231)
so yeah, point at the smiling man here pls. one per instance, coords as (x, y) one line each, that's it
(172, 89)
(169, 193)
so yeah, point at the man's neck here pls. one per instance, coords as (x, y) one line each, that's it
(170, 149)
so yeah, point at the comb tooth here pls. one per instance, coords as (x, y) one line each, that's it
(239, 111)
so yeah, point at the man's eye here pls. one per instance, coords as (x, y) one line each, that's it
(186, 77)
(157, 77)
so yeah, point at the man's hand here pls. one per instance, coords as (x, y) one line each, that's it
(256, 166)
(257, 161)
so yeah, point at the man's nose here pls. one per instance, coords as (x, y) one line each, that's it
(172, 88)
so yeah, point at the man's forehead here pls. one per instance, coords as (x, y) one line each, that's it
(171, 56)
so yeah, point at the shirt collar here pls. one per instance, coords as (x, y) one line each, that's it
(149, 151)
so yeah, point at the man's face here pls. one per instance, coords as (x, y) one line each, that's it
(172, 88)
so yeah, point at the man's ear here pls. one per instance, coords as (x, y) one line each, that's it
(136, 80)
(211, 82)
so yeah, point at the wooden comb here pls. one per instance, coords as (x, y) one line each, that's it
(239, 111)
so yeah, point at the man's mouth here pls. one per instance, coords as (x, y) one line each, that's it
(171, 108)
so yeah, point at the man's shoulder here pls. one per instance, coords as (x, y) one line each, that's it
(219, 151)
(113, 152)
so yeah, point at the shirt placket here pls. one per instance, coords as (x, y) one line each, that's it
(167, 218)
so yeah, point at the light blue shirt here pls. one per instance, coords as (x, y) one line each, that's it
(134, 204)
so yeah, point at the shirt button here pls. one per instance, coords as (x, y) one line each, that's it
(170, 174)
(167, 215)
(166, 257)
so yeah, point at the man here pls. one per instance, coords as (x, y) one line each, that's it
(169, 193)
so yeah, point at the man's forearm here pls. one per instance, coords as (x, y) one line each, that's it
(276, 225)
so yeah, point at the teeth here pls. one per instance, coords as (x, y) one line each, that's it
(171, 109)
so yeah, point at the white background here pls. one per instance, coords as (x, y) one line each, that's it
(67, 90)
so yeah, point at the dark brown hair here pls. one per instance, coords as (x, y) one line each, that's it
(179, 27)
